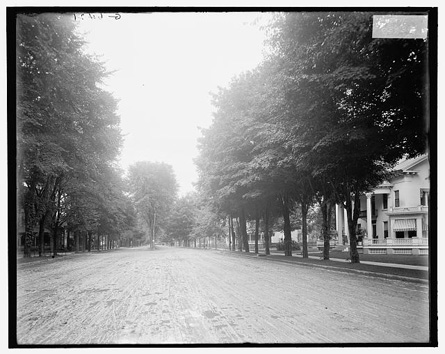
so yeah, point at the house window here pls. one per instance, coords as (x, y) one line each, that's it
(385, 201)
(385, 228)
(400, 234)
(424, 198)
(412, 234)
(373, 206)
(396, 199)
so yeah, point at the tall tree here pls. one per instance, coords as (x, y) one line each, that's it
(181, 220)
(153, 186)
(208, 222)
(65, 121)
(346, 98)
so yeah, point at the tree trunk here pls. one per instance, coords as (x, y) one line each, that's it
(56, 224)
(152, 241)
(42, 236)
(243, 230)
(325, 230)
(304, 210)
(233, 234)
(90, 235)
(257, 230)
(266, 230)
(55, 239)
(84, 241)
(287, 227)
(30, 218)
(76, 236)
(51, 245)
(230, 233)
(352, 214)
(238, 233)
(48, 196)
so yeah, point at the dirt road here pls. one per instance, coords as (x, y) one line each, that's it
(175, 295)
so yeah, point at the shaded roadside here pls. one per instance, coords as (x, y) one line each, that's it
(343, 265)
(66, 255)
(421, 260)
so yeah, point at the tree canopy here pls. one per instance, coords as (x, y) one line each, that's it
(153, 187)
(68, 134)
(322, 118)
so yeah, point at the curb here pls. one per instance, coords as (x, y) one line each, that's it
(349, 270)
(377, 273)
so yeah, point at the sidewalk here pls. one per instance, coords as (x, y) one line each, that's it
(346, 259)
(389, 270)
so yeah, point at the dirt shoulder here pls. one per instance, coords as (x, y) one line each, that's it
(346, 266)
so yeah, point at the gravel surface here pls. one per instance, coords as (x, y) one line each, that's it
(176, 295)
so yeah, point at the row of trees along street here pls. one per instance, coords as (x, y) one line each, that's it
(68, 138)
(319, 122)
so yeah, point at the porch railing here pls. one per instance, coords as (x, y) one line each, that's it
(378, 242)
(397, 242)
(402, 241)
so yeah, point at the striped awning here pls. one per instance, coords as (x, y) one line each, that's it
(405, 225)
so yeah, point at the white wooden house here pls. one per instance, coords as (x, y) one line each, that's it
(394, 216)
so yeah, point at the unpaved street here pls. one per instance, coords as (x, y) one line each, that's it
(175, 295)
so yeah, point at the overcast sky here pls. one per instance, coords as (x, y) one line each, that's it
(167, 64)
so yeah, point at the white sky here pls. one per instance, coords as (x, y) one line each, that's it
(167, 65)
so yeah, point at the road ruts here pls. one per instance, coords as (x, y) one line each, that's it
(175, 295)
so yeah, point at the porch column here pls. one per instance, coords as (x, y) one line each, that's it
(369, 215)
(390, 201)
(419, 227)
(391, 233)
(340, 215)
